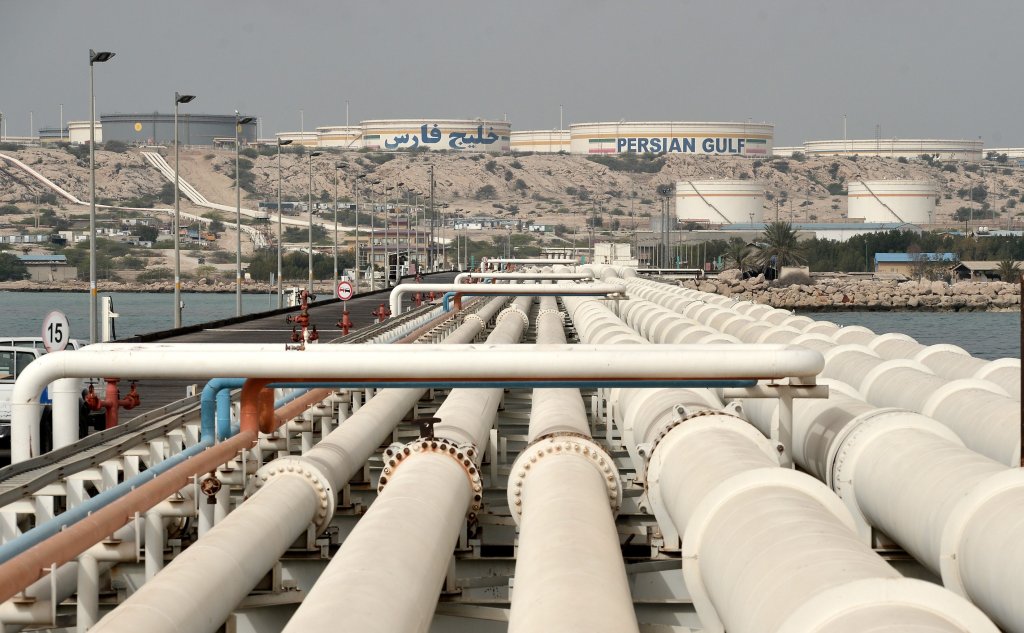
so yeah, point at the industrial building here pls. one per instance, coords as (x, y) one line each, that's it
(720, 201)
(158, 129)
(904, 201)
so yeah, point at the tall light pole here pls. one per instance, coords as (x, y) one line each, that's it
(387, 225)
(239, 122)
(309, 283)
(178, 99)
(94, 321)
(358, 200)
(373, 246)
(337, 168)
(280, 235)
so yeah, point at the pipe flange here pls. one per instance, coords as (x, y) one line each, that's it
(996, 365)
(848, 445)
(463, 455)
(557, 313)
(875, 373)
(963, 512)
(939, 348)
(473, 315)
(720, 497)
(296, 466)
(934, 402)
(561, 444)
(682, 415)
(513, 309)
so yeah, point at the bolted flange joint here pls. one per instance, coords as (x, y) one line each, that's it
(298, 467)
(463, 455)
(514, 310)
(561, 445)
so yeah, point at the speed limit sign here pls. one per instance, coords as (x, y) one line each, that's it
(345, 291)
(56, 331)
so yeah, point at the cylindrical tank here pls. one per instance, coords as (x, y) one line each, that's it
(473, 135)
(540, 141)
(720, 201)
(944, 149)
(673, 137)
(910, 201)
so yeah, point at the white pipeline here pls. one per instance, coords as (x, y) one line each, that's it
(769, 549)
(563, 489)
(215, 573)
(980, 412)
(406, 538)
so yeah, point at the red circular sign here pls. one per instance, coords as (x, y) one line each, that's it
(345, 290)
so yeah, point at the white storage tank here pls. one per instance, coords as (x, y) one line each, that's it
(720, 201)
(911, 201)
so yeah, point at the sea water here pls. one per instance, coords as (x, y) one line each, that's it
(22, 313)
(987, 335)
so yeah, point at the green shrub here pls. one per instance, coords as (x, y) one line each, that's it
(155, 274)
(487, 192)
(115, 146)
(633, 163)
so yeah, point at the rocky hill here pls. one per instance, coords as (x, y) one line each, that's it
(544, 188)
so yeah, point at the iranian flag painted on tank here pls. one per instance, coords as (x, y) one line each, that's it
(755, 146)
(598, 146)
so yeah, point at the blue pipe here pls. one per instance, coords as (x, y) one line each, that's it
(45, 530)
(445, 299)
(215, 410)
(211, 414)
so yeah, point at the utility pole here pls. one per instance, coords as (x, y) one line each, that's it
(433, 223)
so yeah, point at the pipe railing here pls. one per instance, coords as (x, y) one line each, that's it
(582, 275)
(514, 290)
(430, 366)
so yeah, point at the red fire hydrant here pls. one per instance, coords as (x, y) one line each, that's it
(418, 299)
(345, 323)
(112, 401)
(314, 335)
(432, 296)
(382, 312)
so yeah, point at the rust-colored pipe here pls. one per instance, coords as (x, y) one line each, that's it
(458, 302)
(31, 565)
(26, 568)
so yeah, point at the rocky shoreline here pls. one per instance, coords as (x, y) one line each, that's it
(835, 294)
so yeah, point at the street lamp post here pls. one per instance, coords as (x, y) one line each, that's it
(178, 99)
(387, 228)
(239, 122)
(280, 236)
(358, 200)
(309, 283)
(337, 168)
(94, 321)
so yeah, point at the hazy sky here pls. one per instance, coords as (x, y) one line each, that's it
(934, 68)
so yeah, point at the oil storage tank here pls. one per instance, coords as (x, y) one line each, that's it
(720, 201)
(910, 201)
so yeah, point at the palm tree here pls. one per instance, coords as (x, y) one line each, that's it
(779, 244)
(1008, 270)
(738, 254)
